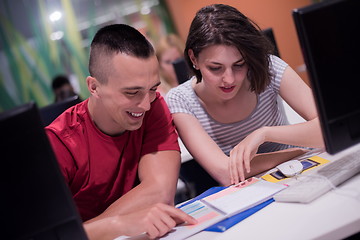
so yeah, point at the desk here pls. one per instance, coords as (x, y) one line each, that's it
(332, 216)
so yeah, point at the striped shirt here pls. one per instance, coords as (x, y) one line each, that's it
(268, 112)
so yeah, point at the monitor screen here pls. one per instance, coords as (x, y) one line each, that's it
(50, 112)
(182, 70)
(36, 202)
(328, 35)
(269, 33)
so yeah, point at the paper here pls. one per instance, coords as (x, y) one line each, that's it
(239, 198)
(227, 223)
(205, 215)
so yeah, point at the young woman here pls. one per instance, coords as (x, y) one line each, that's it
(228, 115)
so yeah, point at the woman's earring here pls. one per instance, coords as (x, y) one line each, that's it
(194, 66)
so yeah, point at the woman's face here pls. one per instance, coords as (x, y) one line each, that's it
(223, 69)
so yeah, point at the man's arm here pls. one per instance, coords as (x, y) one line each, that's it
(158, 174)
(155, 221)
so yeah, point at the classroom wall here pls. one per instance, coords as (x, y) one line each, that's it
(275, 14)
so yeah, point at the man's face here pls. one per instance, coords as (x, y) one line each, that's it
(129, 91)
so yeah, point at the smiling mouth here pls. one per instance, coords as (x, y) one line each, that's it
(227, 89)
(136, 115)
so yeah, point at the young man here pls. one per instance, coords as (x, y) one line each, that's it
(118, 149)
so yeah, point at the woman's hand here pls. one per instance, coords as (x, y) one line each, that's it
(243, 153)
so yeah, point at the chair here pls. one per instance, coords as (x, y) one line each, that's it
(52, 111)
(193, 179)
(196, 178)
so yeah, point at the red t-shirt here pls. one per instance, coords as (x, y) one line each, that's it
(99, 168)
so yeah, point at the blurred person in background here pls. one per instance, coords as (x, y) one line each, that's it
(62, 88)
(169, 49)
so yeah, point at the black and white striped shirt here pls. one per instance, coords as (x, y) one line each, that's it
(268, 112)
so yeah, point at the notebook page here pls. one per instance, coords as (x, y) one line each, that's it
(239, 198)
(205, 216)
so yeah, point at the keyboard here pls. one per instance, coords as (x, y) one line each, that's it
(309, 187)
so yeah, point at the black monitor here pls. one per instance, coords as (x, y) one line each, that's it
(35, 200)
(182, 70)
(269, 33)
(328, 35)
(52, 111)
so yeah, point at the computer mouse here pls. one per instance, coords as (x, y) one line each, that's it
(290, 168)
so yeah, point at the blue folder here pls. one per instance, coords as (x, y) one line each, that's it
(225, 224)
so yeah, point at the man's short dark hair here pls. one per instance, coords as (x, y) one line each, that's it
(114, 39)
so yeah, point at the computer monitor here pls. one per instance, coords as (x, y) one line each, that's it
(35, 200)
(269, 33)
(182, 70)
(52, 111)
(328, 35)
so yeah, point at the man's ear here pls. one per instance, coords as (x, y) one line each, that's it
(193, 59)
(93, 86)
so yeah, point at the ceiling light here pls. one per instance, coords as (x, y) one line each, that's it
(56, 35)
(55, 16)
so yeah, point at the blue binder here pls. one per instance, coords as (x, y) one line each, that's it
(225, 224)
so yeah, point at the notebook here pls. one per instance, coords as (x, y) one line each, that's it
(225, 203)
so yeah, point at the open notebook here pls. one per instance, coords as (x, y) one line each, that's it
(224, 204)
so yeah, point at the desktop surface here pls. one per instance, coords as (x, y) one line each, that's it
(334, 215)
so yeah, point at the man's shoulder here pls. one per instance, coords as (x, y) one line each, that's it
(70, 121)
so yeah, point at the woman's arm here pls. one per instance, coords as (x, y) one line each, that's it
(212, 158)
(202, 147)
(299, 97)
(308, 134)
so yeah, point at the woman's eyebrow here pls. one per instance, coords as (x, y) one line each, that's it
(238, 61)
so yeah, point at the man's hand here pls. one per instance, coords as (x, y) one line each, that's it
(155, 221)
